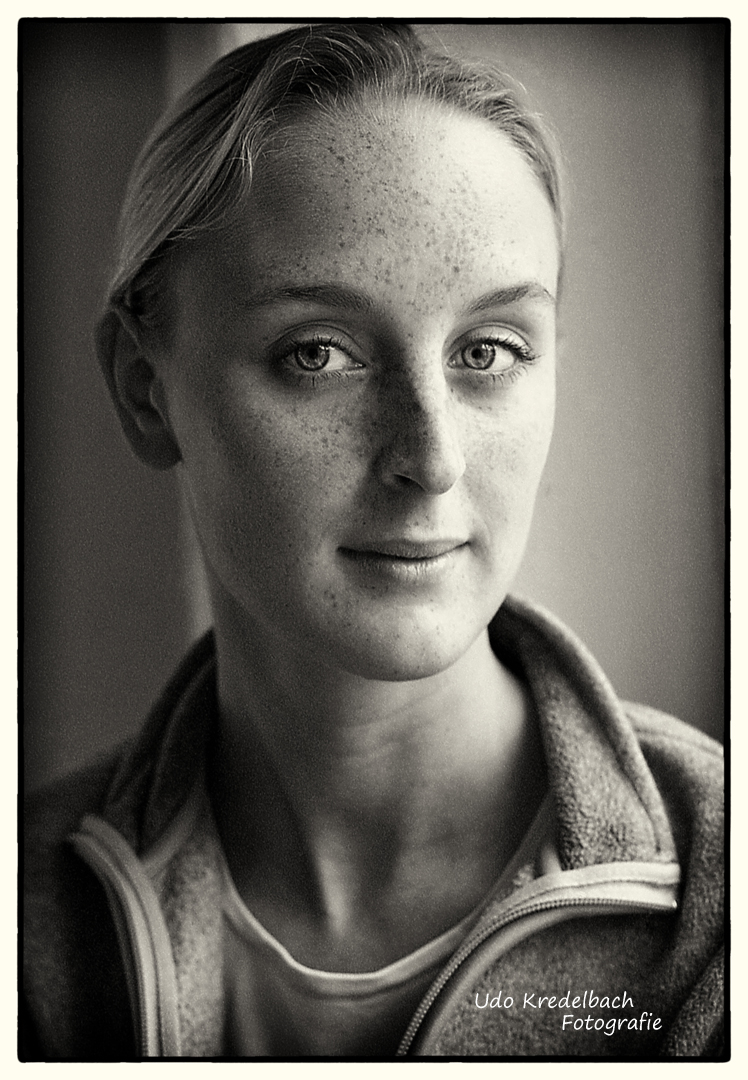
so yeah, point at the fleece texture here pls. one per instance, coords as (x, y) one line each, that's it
(670, 965)
(631, 788)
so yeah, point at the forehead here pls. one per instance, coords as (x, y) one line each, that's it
(412, 196)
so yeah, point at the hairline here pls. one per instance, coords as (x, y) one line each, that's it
(415, 84)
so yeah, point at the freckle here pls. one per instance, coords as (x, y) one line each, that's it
(455, 269)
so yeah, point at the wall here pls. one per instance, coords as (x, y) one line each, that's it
(627, 545)
(105, 608)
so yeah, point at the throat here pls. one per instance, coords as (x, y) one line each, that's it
(355, 851)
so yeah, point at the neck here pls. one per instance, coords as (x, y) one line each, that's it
(333, 737)
(349, 790)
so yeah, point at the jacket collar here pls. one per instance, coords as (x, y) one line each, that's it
(607, 806)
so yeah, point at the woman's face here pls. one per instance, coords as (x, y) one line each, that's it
(361, 384)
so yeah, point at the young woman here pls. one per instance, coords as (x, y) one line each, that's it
(382, 808)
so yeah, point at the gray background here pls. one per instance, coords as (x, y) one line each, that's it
(628, 539)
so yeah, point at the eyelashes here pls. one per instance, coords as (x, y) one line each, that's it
(502, 356)
(499, 357)
(321, 353)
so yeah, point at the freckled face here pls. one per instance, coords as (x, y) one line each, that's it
(361, 383)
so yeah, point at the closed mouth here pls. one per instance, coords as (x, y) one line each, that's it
(407, 550)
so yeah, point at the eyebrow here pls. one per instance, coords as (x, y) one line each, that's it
(528, 290)
(341, 296)
(330, 295)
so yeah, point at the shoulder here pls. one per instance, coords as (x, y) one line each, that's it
(51, 812)
(659, 727)
(687, 764)
(74, 1000)
(687, 767)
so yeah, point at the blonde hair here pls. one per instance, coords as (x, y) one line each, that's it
(197, 164)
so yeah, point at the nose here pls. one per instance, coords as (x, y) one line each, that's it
(423, 444)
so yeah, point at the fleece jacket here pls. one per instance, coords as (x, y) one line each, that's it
(608, 943)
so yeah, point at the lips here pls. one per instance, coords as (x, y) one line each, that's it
(410, 550)
(405, 564)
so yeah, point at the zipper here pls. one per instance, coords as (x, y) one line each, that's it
(146, 948)
(142, 935)
(553, 910)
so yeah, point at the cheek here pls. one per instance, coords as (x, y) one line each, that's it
(511, 446)
(506, 465)
(263, 473)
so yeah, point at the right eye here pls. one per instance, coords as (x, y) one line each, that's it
(316, 355)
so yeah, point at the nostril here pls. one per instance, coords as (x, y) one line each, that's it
(424, 448)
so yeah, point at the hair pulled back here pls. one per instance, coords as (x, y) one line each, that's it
(197, 164)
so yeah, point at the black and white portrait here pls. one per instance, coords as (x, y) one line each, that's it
(373, 509)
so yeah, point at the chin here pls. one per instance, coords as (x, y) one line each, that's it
(407, 650)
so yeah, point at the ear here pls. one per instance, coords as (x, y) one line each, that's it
(136, 390)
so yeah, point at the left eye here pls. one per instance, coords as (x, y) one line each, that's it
(481, 355)
(490, 354)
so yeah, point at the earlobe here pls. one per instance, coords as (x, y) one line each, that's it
(133, 384)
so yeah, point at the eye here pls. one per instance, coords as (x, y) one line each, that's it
(495, 352)
(482, 355)
(317, 357)
(314, 355)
